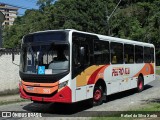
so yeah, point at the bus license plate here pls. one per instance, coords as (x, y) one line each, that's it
(30, 88)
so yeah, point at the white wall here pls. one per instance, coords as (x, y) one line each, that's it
(9, 73)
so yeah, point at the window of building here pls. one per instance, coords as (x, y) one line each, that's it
(116, 53)
(6, 10)
(6, 23)
(138, 54)
(128, 53)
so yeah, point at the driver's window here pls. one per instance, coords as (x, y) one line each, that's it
(79, 42)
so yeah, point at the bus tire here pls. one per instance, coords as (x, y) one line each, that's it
(140, 84)
(97, 95)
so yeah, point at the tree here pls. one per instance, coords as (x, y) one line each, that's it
(83, 15)
(138, 20)
(43, 3)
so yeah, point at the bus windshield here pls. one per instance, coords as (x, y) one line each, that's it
(44, 58)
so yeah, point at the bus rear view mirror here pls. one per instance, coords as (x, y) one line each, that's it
(82, 52)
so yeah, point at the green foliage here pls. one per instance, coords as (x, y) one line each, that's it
(43, 3)
(138, 20)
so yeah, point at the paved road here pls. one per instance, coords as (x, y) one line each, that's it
(117, 102)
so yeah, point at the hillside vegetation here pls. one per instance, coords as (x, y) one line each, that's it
(133, 19)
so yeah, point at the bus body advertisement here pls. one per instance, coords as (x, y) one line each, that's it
(69, 66)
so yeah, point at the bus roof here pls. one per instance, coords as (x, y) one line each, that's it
(104, 37)
(115, 39)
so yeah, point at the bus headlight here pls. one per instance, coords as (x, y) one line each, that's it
(63, 84)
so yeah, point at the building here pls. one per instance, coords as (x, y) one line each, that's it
(1, 21)
(9, 12)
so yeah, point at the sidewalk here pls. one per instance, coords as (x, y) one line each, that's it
(10, 98)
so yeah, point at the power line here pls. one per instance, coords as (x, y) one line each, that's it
(35, 2)
(108, 17)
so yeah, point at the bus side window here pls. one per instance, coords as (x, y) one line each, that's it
(131, 60)
(97, 52)
(152, 54)
(138, 54)
(101, 52)
(147, 56)
(129, 53)
(114, 59)
(76, 55)
(126, 58)
(86, 54)
(116, 53)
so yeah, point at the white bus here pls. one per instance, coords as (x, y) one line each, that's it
(70, 66)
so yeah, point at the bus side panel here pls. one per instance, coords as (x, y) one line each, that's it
(81, 93)
(123, 77)
(85, 82)
(151, 76)
(90, 91)
(111, 82)
(134, 69)
(146, 69)
(72, 85)
(117, 77)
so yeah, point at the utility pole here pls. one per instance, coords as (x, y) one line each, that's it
(108, 17)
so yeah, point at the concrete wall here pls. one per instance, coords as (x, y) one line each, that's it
(9, 72)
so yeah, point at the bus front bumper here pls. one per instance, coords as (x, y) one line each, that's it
(62, 96)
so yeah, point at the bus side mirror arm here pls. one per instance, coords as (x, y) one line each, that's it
(13, 57)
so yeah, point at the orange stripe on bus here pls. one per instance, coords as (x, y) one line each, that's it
(98, 74)
(152, 69)
(83, 77)
(146, 70)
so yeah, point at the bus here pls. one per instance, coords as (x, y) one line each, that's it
(68, 66)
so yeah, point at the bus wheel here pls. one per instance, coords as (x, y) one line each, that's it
(97, 95)
(140, 84)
